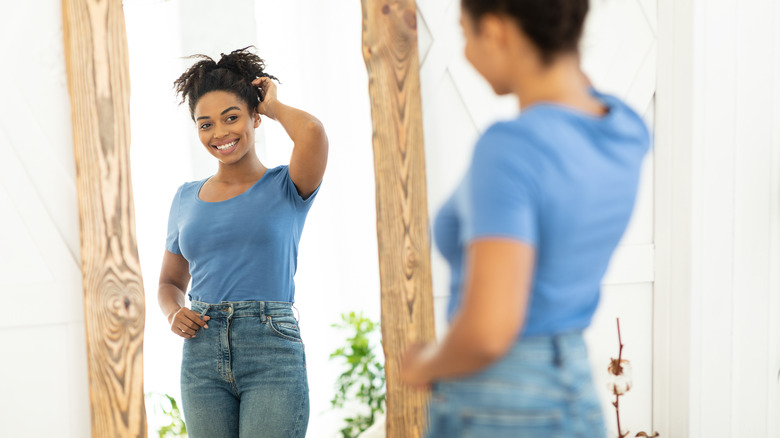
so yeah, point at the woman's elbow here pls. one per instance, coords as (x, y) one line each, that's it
(315, 129)
(496, 343)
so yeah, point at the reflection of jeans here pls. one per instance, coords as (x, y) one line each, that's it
(541, 388)
(245, 376)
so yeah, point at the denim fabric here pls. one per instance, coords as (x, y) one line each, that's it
(541, 388)
(245, 376)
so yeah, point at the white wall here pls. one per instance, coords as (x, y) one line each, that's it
(719, 173)
(43, 370)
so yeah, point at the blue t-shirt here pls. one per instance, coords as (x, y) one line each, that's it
(244, 248)
(561, 181)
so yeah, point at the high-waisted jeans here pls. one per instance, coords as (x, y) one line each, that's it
(541, 388)
(245, 376)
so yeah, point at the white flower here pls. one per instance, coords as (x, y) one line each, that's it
(620, 377)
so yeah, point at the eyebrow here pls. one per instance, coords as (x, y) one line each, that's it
(223, 112)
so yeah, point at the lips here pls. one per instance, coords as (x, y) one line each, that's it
(225, 147)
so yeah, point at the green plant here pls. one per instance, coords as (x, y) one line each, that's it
(364, 379)
(166, 406)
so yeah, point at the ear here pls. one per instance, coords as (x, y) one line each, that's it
(493, 29)
(257, 119)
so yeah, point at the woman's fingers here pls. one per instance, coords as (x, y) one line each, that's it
(267, 94)
(195, 318)
(186, 322)
(182, 330)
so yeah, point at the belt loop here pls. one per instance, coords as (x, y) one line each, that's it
(296, 314)
(205, 309)
(261, 308)
(557, 350)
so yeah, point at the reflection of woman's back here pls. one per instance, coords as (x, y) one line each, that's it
(236, 234)
(562, 181)
(529, 232)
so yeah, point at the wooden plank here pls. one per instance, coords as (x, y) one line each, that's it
(390, 53)
(97, 64)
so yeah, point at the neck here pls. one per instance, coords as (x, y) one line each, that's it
(561, 82)
(248, 168)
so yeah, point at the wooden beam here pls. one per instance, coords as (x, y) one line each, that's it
(97, 65)
(390, 53)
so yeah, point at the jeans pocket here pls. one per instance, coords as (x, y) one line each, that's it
(512, 424)
(285, 327)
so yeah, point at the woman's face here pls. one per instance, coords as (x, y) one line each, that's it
(483, 50)
(498, 49)
(225, 125)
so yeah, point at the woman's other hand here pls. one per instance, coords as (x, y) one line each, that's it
(185, 322)
(268, 91)
(413, 365)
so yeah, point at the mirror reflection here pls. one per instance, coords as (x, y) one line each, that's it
(186, 169)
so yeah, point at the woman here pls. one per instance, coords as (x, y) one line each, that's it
(236, 234)
(529, 232)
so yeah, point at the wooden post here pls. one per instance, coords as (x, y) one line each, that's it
(390, 53)
(97, 65)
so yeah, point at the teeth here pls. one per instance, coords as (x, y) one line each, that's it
(227, 146)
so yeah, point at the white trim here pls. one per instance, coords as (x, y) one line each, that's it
(674, 218)
(773, 409)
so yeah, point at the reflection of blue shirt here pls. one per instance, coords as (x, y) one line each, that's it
(561, 181)
(244, 248)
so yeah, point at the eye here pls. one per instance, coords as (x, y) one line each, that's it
(205, 126)
(231, 118)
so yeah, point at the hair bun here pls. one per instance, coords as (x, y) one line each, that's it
(234, 72)
(245, 63)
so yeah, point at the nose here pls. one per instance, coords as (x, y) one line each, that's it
(220, 132)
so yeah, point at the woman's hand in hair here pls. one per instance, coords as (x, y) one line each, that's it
(268, 92)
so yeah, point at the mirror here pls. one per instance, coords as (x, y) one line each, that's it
(314, 49)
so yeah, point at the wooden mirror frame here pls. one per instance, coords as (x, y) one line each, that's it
(96, 58)
(98, 81)
(392, 61)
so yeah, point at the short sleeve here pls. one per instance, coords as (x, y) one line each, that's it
(501, 187)
(292, 191)
(172, 240)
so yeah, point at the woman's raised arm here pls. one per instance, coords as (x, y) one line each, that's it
(310, 150)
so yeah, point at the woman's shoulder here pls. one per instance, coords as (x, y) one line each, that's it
(190, 187)
(276, 175)
(193, 185)
(280, 170)
(518, 136)
(512, 145)
(622, 117)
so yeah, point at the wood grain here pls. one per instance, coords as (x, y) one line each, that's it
(97, 64)
(390, 53)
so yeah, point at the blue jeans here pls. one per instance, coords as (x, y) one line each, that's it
(541, 388)
(245, 376)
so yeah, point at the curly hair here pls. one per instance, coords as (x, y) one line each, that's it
(554, 26)
(233, 73)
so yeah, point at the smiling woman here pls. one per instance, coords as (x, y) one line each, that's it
(255, 215)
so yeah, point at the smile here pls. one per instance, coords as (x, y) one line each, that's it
(226, 146)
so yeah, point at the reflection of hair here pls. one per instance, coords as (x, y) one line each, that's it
(234, 73)
(554, 26)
